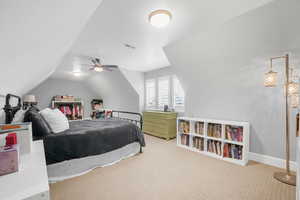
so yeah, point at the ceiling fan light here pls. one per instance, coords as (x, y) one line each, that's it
(98, 69)
(160, 18)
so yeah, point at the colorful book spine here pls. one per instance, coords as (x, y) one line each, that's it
(214, 130)
(234, 133)
(233, 151)
(185, 139)
(214, 147)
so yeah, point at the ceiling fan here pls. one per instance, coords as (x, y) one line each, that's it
(98, 67)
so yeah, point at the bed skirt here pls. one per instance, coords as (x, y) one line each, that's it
(77, 167)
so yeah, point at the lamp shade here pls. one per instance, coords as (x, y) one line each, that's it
(270, 79)
(293, 88)
(29, 99)
(294, 100)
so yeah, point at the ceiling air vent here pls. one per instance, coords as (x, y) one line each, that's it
(129, 46)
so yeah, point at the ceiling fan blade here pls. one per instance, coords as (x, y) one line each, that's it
(86, 65)
(92, 68)
(97, 60)
(110, 66)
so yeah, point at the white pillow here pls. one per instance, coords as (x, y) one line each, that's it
(57, 121)
(19, 116)
(2, 116)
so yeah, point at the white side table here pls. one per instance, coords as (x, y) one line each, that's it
(31, 181)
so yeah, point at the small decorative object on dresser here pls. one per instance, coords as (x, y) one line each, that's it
(160, 124)
(225, 140)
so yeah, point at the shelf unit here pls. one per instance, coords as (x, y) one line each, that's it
(230, 144)
(71, 104)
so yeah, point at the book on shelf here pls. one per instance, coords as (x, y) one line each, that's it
(214, 147)
(184, 126)
(234, 133)
(233, 151)
(214, 130)
(199, 128)
(198, 143)
(185, 140)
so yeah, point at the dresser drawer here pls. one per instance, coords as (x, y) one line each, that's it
(156, 127)
(161, 124)
(159, 115)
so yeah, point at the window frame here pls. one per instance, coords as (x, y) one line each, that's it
(171, 93)
(164, 78)
(176, 107)
(155, 94)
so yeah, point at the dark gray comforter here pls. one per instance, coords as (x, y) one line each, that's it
(90, 137)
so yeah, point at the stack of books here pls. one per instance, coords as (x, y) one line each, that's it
(214, 130)
(233, 151)
(184, 126)
(198, 143)
(234, 133)
(199, 128)
(214, 147)
(185, 140)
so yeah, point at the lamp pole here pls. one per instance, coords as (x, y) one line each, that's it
(286, 177)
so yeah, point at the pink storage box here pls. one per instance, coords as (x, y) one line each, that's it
(9, 159)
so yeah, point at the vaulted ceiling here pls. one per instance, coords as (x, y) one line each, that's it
(118, 22)
(36, 36)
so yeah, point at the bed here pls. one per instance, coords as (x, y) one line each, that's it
(89, 144)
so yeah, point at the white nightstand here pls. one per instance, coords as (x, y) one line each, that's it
(31, 181)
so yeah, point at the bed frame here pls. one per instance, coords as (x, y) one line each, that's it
(10, 111)
(132, 117)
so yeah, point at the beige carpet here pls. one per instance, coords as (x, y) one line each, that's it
(165, 171)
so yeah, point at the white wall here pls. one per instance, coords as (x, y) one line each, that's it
(52, 87)
(116, 91)
(136, 79)
(222, 70)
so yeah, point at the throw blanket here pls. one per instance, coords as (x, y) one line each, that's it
(90, 137)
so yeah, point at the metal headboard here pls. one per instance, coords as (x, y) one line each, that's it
(10, 111)
(116, 114)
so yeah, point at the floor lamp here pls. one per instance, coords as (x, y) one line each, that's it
(291, 92)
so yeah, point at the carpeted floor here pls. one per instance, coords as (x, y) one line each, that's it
(165, 171)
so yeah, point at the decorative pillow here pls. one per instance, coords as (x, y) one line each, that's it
(2, 116)
(19, 116)
(56, 120)
(40, 128)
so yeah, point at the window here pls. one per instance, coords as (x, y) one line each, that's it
(150, 93)
(178, 94)
(163, 92)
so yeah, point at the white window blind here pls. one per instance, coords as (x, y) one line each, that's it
(178, 94)
(150, 93)
(163, 91)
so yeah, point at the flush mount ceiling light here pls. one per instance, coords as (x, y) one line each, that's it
(160, 18)
(98, 69)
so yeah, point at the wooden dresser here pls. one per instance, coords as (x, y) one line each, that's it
(160, 124)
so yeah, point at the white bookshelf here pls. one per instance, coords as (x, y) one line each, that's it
(235, 148)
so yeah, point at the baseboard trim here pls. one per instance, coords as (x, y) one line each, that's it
(273, 161)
